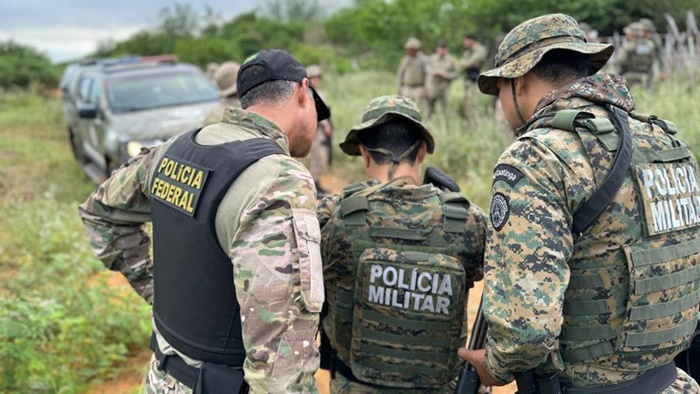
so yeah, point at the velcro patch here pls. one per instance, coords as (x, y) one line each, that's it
(179, 184)
(500, 211)
(507, 173)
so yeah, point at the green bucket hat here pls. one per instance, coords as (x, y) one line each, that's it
(381, 110)
(528, 42)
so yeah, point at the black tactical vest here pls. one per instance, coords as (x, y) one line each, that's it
(195, 307)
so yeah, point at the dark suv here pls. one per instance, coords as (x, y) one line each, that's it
(114, 107)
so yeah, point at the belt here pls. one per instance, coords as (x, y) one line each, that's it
(412, 86)
(653, 381)
(175, 366)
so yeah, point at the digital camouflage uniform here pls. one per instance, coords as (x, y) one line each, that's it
(225, 77)
(268, 225)
(473, 58)
(548, 292)
(394, 208)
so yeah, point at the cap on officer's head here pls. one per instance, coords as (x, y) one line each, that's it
(647, 25)
(525, 45)
(381, 110)
(314, 71)
(277, 65)
(412, 43)
(225, 77)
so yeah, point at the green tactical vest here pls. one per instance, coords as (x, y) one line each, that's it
(649, 305)
(642, 58)
(398, 313)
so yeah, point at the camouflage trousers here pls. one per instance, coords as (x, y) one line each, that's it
(341, 385)
(160, 382)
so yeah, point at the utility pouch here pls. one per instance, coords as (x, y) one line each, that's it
(215, 378)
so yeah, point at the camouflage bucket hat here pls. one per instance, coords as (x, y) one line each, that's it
(528, 42)
(381, 110)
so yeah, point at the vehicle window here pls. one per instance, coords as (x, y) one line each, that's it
(85, 88)
(136, 93)
(94, 97)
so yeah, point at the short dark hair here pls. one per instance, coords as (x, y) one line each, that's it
(397, 136)
(470, 36)
(273, 92)
(561, 65)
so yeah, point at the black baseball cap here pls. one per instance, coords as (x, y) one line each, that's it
(278, 65)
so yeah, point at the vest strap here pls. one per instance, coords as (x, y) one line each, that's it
(582, 334)
(649, 256)
(400, 233)
(587, 353)
(667, 281)
(408, 324)
(565, 119)
(601, 198)
(580, 308)
(666, 308)
(585, 281)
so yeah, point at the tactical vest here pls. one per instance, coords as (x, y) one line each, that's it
(642, 58)
(195, 307)
(398, 314)
(653, 298)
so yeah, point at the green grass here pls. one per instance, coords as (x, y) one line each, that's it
(61, 327)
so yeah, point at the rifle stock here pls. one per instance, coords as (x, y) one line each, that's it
(469, 380)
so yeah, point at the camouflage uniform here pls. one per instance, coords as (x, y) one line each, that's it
(443, 69)
(637, 56)
(549, 292)
(267, 224)
(225, 77)
(412, 74)
(473, 58)
(399, 207)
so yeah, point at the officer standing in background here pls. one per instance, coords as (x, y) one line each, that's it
(319, 157)
(592, 254)
(399, 258)
(238, 282)
(649, 32)
(470, 64)
(635, 60)
(443, 69)
(225, 78)
(412, 74)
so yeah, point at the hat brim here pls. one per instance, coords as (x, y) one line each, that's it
(230, 91)
(351, 145)
(323, 112)
(488, 81)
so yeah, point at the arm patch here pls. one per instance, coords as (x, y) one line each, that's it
(500, 211)
(507, 173)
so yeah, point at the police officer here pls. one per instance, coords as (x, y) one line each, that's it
(412, 74)
(592, 254)
(443, 69)
(399, 258)
(238, 287)
(637, 56)
(470, 64)
(320, 155)
(225, 78)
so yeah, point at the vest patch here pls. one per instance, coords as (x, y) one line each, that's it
(500, 211)
(179, 184)
(507, 173)
(412, 289)
(670, 196)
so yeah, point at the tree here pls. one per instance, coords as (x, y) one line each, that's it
(21, 65)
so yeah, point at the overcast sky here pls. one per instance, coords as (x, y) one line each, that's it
(69, 29)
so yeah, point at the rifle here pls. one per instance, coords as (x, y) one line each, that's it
(439, 179)
(469, 380)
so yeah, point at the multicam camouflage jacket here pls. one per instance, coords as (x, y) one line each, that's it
(270, 230)
(532, 257)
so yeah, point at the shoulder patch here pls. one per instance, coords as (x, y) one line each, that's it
(507, 173)
(500, 210)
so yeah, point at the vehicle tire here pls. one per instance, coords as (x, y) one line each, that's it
(76, 146)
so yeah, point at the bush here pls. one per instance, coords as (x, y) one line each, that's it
(21, 65)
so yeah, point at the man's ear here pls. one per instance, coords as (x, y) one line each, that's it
(365, 155)
(304, 94)
(422, 152)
